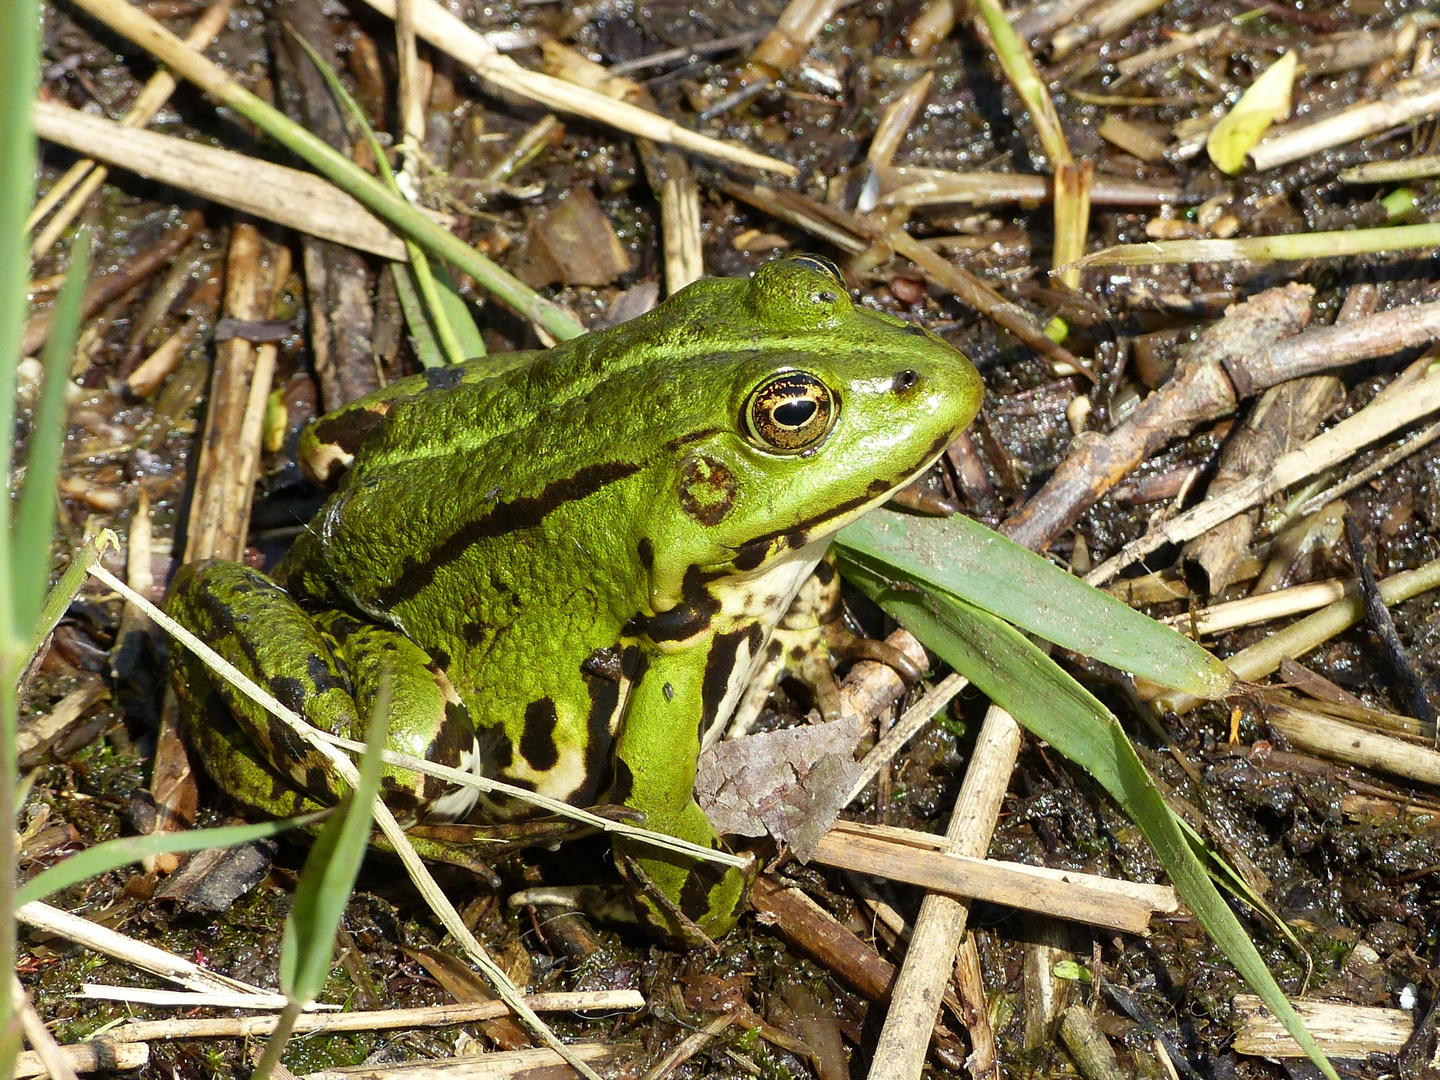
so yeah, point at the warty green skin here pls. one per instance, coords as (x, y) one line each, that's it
(578, 558)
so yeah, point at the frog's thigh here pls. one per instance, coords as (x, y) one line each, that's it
(256, 626)
(427, 717)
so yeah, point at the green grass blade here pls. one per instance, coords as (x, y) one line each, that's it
(112, 854)
(329, 875)
(1020, 678)
(457, 311)
(19, 52)
(35, 517)
(969, 561)
(422, 335)
(68, 587)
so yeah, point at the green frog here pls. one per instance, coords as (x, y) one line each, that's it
(572, 560)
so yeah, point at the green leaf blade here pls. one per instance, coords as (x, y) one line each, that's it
(113, 854)
(1019, 678)
(966, 560)
(331, 868)
(35, 517)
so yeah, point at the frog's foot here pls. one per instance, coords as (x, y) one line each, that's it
(643, 903)
(810, 640)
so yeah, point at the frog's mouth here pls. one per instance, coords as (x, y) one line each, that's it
(753, 554)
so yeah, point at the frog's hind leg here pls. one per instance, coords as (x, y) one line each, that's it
(307, 664)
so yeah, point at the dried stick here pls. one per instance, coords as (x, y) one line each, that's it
(915, 997)
(920, 186)
(1200, 390)
(450, 35)
(1295, 640)
(1344, 127)
(89, 176)
(248, 1027)
(1101, 22)
(276, 193)
(1284, 416)
(920, 859)
(1347, 438)
(1412, 683)
(141, 954)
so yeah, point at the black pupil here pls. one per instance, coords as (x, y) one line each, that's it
(795, 412)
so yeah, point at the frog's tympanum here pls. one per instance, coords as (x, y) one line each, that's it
(572, 560)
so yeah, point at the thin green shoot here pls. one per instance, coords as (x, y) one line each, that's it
(325, 885)
(435, 312)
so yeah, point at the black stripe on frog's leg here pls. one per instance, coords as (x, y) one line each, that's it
(501, 519)
(700, 882)
(720, 669)
(537, 741)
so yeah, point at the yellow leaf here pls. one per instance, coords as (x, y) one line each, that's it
(1267, 100)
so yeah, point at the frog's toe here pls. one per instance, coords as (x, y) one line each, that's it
(847, 645)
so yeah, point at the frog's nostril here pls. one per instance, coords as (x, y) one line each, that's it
(906, 379)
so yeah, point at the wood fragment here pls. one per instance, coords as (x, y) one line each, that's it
(920, 859)
(1315, 684)
(900, 1050)
(37, 734)
(276, 193)
(1093, 1054)
(1199, 390)
(1382, 416)
(815, 932)
(1342, 1030)
(1284, 417)
(87, 1057)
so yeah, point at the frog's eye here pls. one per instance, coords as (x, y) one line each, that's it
(824, 265)
(790, 413)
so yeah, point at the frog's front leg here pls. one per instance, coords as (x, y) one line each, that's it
(327, 668)
(654, 761)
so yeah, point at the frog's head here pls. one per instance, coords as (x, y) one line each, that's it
(814, 411)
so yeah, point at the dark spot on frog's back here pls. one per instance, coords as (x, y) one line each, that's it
(537, 741)
(455, 738)
(500, 519)
(707, 489)
(443, 378)
(348, 429)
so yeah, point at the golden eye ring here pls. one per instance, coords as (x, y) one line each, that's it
(824, 265)
(790, 413)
